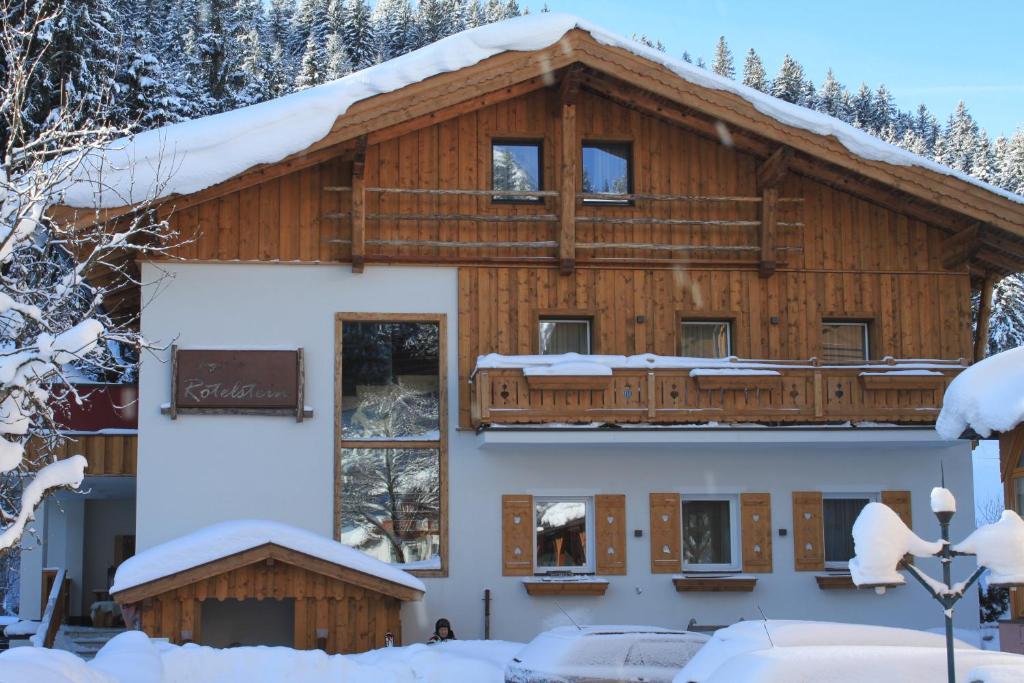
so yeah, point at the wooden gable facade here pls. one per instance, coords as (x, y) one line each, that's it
(730, 214)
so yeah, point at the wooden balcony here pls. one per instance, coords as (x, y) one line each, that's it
(766, 392)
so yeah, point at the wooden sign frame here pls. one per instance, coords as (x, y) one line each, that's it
(224, 405)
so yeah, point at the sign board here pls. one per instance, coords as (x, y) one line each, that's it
(250, 382)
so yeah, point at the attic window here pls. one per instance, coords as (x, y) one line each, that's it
(516, 167)
(607, 171)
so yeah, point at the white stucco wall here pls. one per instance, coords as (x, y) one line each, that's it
(201, 469)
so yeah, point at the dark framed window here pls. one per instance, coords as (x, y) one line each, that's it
(839, 511)
(564, 335)
(844, 341)
(710, 536)
(607, 171)
(391, 458)
(517, 166)
(705, 338)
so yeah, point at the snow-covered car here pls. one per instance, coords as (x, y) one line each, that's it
(603, 654)
(773, 645)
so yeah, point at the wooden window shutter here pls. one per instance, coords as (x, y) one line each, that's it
(517, 535)
(666, 536)
(808, 532)
(610, 519)
(756, 531)
(899, 501)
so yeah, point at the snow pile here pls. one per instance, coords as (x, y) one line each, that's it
(228, 538)
(997, 673)
(845, 664)
(20, 629)
(133, 658)
(942, 500)
(203, 152)
(987, 397)
(571, 368)
(752, 636)
(1000, 547)
(732, 372)
(880, 540)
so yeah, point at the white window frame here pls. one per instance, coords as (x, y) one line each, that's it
(585, 321)
(735, 547)
(851, 323)
(590, 546)
(871, 498)
(728, 332)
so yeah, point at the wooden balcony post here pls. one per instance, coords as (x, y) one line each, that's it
(359, 207)
(984, 314)
(769, 177)
(569, 152)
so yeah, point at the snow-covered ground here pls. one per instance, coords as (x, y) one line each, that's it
(133, 658)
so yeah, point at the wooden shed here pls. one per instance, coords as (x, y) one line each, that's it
(270, 595)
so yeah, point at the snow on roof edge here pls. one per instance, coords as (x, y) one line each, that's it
(224, 539)
(986, 397)
(198, 154)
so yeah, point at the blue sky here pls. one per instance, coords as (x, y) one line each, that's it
(935, 52)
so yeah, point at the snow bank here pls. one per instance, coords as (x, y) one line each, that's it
(228, 538)
(133, 658)
(1000, 547)
(20, 629)
(987, 397)
(844, 664)
(880, 540)
(752, 636)
(199, 153)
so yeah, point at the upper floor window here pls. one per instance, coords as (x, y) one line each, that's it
(607, 170)
(710, 534)
(844, 341)
(561, 538)
(564, 335)
(839, 511)
(516, 167)
(706, 338)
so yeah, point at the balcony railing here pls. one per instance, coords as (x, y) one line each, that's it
(663, 390)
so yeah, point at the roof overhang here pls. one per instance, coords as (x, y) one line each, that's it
(264, 553)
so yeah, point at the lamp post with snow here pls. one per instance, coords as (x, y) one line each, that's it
(882, 540)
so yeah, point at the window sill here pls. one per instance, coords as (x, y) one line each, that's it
(729, 583)
(565, 585)
(838, 582)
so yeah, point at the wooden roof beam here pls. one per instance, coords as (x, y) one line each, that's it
(771, 172)
(961, 247)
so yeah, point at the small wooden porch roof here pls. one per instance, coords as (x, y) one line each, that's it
(267, 554)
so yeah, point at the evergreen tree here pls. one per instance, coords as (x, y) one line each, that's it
(700, 63)
(863, 109)
(687, 58)
(789, 83)
(831, 97)
(754, 75)
(723, 64)
(357, 33)
(808, 95)
(393, 28)
(1006, 326)
(147, 97)
(338, 64)
(248, 59)
(1010, 163)
(926, 127)
(884, 115)
(959, 140)
(983, 163)
(432, 22)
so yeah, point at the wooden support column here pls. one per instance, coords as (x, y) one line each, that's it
(568, 156)
(769, 177)
(359, 207)
(984, 313)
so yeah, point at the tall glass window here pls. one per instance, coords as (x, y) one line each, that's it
(561, 534)
(389, 492)
(838, 515)
(607, 170)
(564, 336)
(708, 533)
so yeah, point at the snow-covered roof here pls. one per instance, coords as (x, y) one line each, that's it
(987, 397)
(200, 153)
(230, 538)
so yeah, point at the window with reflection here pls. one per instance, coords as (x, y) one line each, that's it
(564, 335)
(516, 166)
(390, 383)
(561, 534)
(706, 339)
(843, 342)
(390, 503)
(709, 536)
(607, 170)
